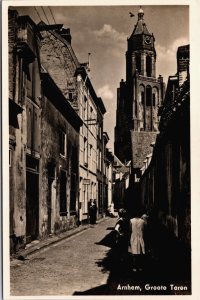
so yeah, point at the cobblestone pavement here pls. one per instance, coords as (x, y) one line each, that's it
(89, 263)
(65, 268)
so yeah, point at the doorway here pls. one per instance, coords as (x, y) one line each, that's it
(32, 205)
(50, 195)
(49, 205)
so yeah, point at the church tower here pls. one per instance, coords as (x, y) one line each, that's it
(139, 97)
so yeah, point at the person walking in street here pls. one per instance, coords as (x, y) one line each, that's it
(93, 211)
(122, 233)
(137, 243)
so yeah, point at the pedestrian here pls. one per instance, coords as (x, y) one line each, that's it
(92, 211)
(122, 233)
(111, 212)
(137, 243)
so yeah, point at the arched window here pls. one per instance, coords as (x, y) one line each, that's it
(142, 95)
(155, 96)
(136, 110)
(138, 63)
(148, 66)
(141, 107)
(148, 95)
(153, 99)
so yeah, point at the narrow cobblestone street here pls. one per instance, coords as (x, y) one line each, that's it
(88, 263)
(66, 267)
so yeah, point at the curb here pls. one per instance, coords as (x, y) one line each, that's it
(26, 253)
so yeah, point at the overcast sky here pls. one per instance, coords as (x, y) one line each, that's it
(103, 32)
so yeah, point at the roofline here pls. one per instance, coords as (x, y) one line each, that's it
(30, 21)
(97, 100)
(184, 47)
(101, 105)
(62, 40)
(171, 79)
(45, 27)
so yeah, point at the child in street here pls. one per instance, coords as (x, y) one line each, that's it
(122, 233)
(137, 241)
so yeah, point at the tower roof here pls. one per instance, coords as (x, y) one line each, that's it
(140, 27)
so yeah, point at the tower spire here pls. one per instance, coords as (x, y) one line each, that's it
(140, 26)
(140, 14)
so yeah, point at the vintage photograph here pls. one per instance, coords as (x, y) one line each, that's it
(99, 150)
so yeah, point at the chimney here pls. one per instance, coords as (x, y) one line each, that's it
(183, 54)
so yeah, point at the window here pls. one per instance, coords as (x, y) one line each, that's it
(136, 109)
(63, 193)
(51, 170)
(84, 197)
(148, 96)
(142, 97)
(100, 198)
(32, 163)
(94, 161)
(63, 143)
(91, 112)
(33, 127)
(85, 108)
(100, 160)
(100, 131)
(90, 150)
(85, 152)
(29, 126)
(30, 72)
(97, 158)
(138, 63)
(73, 192)
(148, 66)
(154, 99)
(70, 96)
(90, 158)
(155, 96)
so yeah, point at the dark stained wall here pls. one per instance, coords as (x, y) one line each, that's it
(52, 123)
(58, 58)
(165, 185)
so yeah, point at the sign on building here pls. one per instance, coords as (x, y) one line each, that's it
(86, 181)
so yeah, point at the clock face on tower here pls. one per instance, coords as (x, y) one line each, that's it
(147, 40)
